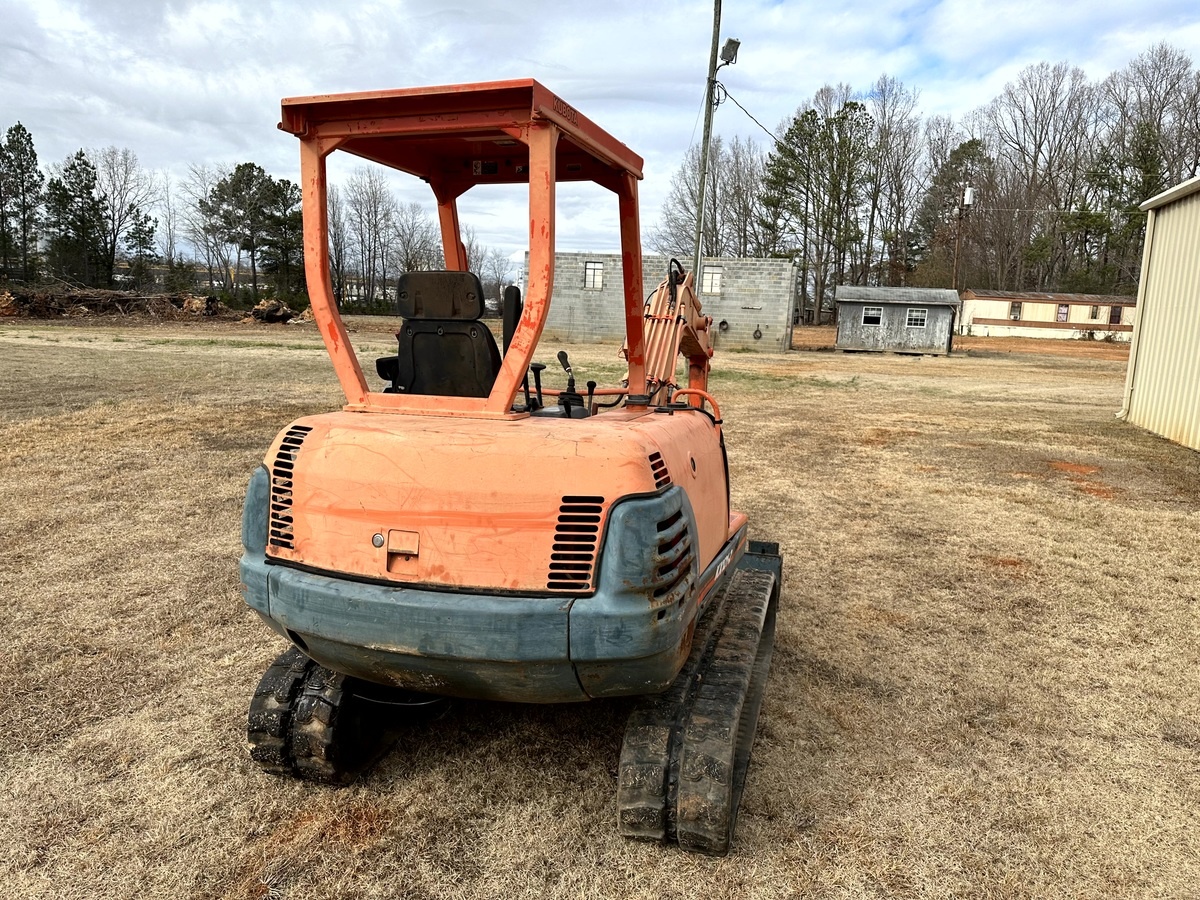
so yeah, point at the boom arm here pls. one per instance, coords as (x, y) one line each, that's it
(676, 324)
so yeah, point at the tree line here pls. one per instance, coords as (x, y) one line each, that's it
(860, 188)
(99, 219)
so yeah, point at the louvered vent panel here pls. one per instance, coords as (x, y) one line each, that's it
(576, 539)
(673, 560)
(658, 466)
(283, 468)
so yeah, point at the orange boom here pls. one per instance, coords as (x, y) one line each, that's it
(459, 529)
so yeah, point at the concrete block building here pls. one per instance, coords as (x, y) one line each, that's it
(750, 300)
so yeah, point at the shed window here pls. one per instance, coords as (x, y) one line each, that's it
(1114, 316)
(1014, 309)
(593, 276)
(916, 318)
(710, 280)
(1094, 313)
(872, 315)
(1063, 311)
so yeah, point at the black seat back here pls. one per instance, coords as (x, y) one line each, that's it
(510, 313)
(444, 350)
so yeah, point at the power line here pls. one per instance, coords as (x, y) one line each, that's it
(770, 134)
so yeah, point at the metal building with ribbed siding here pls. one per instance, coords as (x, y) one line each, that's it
(1162, 386)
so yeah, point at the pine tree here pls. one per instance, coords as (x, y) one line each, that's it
(75, 221)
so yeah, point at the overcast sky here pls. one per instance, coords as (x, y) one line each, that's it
(183, 82)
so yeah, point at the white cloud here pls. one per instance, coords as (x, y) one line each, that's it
(199, 81)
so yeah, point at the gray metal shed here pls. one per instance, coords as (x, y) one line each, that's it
(1162, 387)
(896, 320)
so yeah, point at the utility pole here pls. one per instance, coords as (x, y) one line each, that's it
(964, 207)
(728, 55)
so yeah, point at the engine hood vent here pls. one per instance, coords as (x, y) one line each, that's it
(280, 533)
(658, 466)
(576, 540)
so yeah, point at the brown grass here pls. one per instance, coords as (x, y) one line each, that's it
(984, 681)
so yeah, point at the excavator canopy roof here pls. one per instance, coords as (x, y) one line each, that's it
(462, 134)
(456, 137)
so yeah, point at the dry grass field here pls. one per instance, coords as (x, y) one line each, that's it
(984, 682)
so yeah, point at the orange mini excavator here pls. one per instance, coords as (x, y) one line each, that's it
(400, 544)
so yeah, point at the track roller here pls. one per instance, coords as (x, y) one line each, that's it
(686, 751)
(309, 722)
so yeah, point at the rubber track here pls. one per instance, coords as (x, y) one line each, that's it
(323, 737)
(308, 722)
(686, 751)
(269, 724)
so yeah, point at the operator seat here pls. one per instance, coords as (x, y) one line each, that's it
(444, 350)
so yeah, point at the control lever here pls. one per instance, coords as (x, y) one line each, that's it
(562, 360)
(568, 398)
(591, 393)
(538, 368)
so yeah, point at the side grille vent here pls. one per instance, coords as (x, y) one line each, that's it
(658, 466)
(673, 560)
(576, 539)
(280, 533)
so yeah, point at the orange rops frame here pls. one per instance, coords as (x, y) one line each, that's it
(455, 137)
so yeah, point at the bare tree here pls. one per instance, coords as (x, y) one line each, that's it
(417, 239)
(370, 217)
(676, 230)
(495, 272)
(168, 219)
(742, 215)
(1159, 93)
(339, 242)
(898, 176)
(1041, 131)
(130, 191)
(203, 228)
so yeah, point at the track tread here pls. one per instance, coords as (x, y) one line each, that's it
(269, 722)
(306, 721)
(320, 749)
(686, 751)
(723, 721)
(647, 773)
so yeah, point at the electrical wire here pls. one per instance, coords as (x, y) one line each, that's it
(769, 133)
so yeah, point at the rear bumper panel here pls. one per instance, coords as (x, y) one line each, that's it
(621, 640)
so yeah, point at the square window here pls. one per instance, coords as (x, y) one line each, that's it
(916, 318)
(1063, 311)
(872, 315)
(1014, 310)
(710, 280)
(593, 276)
